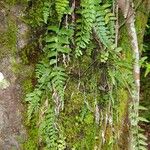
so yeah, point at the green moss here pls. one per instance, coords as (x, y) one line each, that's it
(27, 86)
(8, 39)
(14, 2)
(32, 131)
(32, 141)
(141, 20)
(123, 103)
(78, 122)
(15, 66)
(125, 44)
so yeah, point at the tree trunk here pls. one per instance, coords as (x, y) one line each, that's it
(13, 38)
(15, 82)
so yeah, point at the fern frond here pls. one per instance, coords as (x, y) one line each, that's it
(58, 79)
(48, 131)
(85, 24)
(43, 71)
(34, 99)
(61, 142)
(57, 44)
(40, 12)
(110, 21)
(61, 7)
(101, 28)
(46, 11)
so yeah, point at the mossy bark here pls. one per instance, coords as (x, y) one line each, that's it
(14, 36)
(142, 14)
(77, 121)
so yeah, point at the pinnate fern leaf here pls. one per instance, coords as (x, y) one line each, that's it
(34, 99)
(85, 23)
(48, 131)
(61, 6)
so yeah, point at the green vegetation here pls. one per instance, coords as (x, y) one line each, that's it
(81, 95)
(91, 85)
(8, 38)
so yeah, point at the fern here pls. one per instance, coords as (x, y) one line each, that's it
(110, 20)
(51, 77)
(61, 7)
(57, 45)
(46, 11)
(85, 24)
(101, 29)
(43, 71)
(141, 138)
(95, 34)
(138, 139)
(39, 12)
(48, 130)
(58, 79)
(34, 100)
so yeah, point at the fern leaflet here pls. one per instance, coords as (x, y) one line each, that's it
(101, 28)
(85, 24)
(34, 100)
(61, 6)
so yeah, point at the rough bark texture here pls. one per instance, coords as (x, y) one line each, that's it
(142, 9)
(13, 38)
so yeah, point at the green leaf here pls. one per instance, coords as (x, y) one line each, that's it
(53, 61)
(141, 142)
(142, 148)
(142, 136)
(142, 119)
(142, 107)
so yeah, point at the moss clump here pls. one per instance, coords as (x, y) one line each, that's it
(14, 2)
(27, 86)
(32, 141)
(77, 120)
(141, 20)
(123, 103)
(8, 39)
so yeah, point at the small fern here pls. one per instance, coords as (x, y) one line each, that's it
(49, 75)
(138, 138)
(101, 29)
(61, 141)
(43, 71)
(61, 7)
(110, 20)
(57, 45)
(58, 79)
(85, 23)
(141, 138)
(48, 131)
(51, 135)
(34, 100)
(39, 12)
(46, 11)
